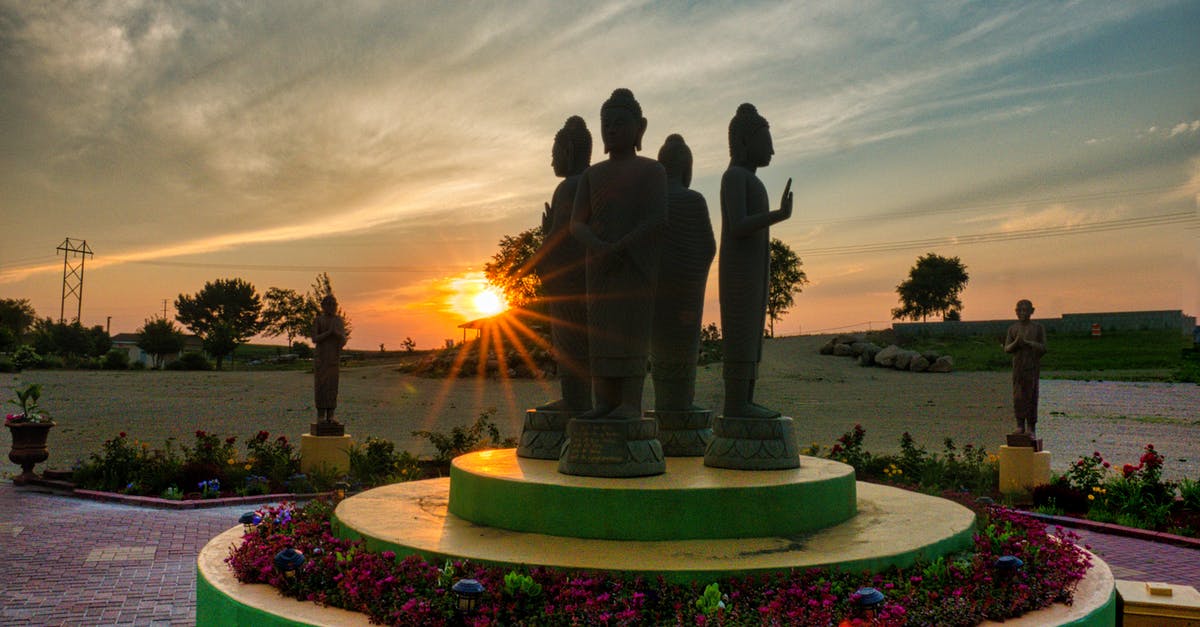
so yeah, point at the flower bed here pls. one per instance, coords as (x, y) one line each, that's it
(1134, 496)
(962, 589)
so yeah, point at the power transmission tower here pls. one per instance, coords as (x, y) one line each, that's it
(74, 256)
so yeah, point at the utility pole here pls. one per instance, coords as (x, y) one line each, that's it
(164, 309)
(73, 275)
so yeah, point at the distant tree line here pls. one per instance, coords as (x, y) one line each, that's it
(224, 314)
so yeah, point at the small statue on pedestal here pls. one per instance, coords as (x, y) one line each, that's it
(329, 336)
(1026, 342)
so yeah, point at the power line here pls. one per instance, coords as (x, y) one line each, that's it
(295, 268)
(1108, 195)
(1183, 217)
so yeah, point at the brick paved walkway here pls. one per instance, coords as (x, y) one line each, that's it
(67, 561)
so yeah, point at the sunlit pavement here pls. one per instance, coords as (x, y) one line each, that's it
(68, 561)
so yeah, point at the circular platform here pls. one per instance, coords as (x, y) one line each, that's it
(689, 501)
(892, 527)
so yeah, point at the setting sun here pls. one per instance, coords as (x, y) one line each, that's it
(470, 296)
(489, 302)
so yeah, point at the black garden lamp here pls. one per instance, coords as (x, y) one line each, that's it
(468, 592)
(288, 561)
(249, 520)
(1008, 565)
(867, 601)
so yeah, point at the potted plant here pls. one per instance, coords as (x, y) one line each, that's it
(29, 429)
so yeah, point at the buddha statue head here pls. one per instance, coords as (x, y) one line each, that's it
(621, 123)
(572, 151)
(676, 159)
(749, 138)
(329, 305)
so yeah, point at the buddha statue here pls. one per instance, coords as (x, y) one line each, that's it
(562, 268)
(687, 252)
(746, 218)
(620, 207)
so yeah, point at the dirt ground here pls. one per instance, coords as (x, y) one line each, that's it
(826, 395)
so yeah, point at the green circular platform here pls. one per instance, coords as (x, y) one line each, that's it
(689, 501)
(892, 527)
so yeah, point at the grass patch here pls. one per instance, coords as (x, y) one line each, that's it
(1158, 353)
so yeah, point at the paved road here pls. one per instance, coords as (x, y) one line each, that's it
(66, 561)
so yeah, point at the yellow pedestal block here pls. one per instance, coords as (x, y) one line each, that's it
(330, 453)
(1159, 605)
(1021, 468)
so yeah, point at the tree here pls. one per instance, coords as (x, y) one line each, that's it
(225, 314)
(69, 340)
(160, 337)
(288, 313)
(933, 286)
(16, 314)
(786, 280)
(512, 269)
(409, 344)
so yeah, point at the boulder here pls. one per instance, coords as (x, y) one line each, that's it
(843, 350)
(931, 356)
(918, 364)
(945, 363)
(887, 357)
(904, 359)
(827, 348)
(868, 356)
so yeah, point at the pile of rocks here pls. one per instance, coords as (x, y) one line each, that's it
(871, 354)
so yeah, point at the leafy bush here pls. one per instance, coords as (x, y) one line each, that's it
(191, 360)
(482, 435)
(25, 357)
(971, 470)
(376, 463)
(115, 359)
(8, 365)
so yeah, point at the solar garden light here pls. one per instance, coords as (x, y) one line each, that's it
(867, 601)
(249, 520)
(288, 561)
(1008, 565)
(339, 489)
(468, 592)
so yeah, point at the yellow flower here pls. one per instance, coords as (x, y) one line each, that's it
(232, 461)
(248, 466)
(1091, 497)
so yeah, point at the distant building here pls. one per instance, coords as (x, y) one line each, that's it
(128, 343)
(1173, 319)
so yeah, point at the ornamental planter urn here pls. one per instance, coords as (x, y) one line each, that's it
(28, 447)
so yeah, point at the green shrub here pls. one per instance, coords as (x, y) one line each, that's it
(192, 361)
(377, 463)
(482, 435)
(8, 365)
(26, 357)
(115, 359)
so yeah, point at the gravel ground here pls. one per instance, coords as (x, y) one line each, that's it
(826, 395)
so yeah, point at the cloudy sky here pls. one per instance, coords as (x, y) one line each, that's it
(1054, 147)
